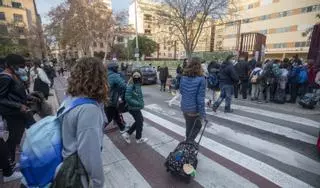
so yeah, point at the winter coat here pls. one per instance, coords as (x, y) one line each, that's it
(256, 72)
(12, 95)
(134, 96)
(317, 79)
(164, 73)
(283, 79)
(227, 74)
(243, 68)
(193, 91)
(117, 87)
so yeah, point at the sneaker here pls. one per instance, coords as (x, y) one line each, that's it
(126, 128)
(13, 177)
(142, 140)
(126, 137)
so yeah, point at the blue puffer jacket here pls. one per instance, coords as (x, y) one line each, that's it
(193, 91)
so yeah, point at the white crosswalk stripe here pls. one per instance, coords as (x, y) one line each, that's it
(213, 174)
(276, 176)
(270, 149)
(209, 173)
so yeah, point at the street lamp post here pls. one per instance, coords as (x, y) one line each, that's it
(137, 42)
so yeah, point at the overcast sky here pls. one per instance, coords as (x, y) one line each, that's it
(45, 5)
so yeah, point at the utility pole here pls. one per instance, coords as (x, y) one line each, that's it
(136, 51)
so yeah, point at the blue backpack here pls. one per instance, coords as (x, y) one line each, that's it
(42, 148)
(213, 81)
(303, 76)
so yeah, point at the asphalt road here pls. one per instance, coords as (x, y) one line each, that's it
(256, 146)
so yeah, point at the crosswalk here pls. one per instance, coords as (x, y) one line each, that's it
(238, 150)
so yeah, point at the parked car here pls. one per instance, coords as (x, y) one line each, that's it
(149, 75)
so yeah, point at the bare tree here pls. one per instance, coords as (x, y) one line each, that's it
(308, 31)
(80, 23)
(187, 18)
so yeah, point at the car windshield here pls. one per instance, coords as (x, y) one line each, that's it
(147, 69)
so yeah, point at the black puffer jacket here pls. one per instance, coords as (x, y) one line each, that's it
(12, 95)
(243, 68)
(227, 74)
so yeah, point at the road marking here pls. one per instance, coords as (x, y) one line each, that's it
(119, 172)
(265, 126)
(286, 117)
(275, 151)
(269, 127)
(209, 173)
(274, 175)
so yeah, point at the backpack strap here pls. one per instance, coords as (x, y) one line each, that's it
(78, 102)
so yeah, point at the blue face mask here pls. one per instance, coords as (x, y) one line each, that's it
(22, 73)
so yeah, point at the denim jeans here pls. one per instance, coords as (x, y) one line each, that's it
(226, 94)
(138, 124)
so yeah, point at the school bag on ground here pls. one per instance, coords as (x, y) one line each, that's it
(309, 100)
(183, 160)
(42, 148)
(213, 81)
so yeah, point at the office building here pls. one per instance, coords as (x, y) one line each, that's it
(282, 21)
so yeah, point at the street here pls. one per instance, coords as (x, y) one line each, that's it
(253, 147)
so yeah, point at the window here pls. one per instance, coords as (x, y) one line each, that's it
(3, 29)
(16, 5)
(20, 30)
(101, 45)
(147, 31)
(283, 14)
(307, 9)
(246, 20)
(250, 6)
(94, 44)
(2, 16)
(264, 32)
(264, 17)
(1, 3)
(17, 17)
(148, 17)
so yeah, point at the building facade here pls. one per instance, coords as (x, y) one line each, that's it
(20, 20)
(169, 47)
(282, 21)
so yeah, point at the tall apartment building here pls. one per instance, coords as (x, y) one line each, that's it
(23, 16)
(282, 21)
(169, 47)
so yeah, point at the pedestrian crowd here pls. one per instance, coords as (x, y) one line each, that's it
(98, 93)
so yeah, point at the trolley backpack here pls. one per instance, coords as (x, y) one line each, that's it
(183, 160)
(309, 100)
(42, 147)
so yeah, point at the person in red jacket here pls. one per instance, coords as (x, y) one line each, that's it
(312, 72)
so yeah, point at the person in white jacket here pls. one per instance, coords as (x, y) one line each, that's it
(40, 79)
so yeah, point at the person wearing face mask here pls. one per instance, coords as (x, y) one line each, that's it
(13, 101)
(227, 78)
(134, 99)
(41, 80)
